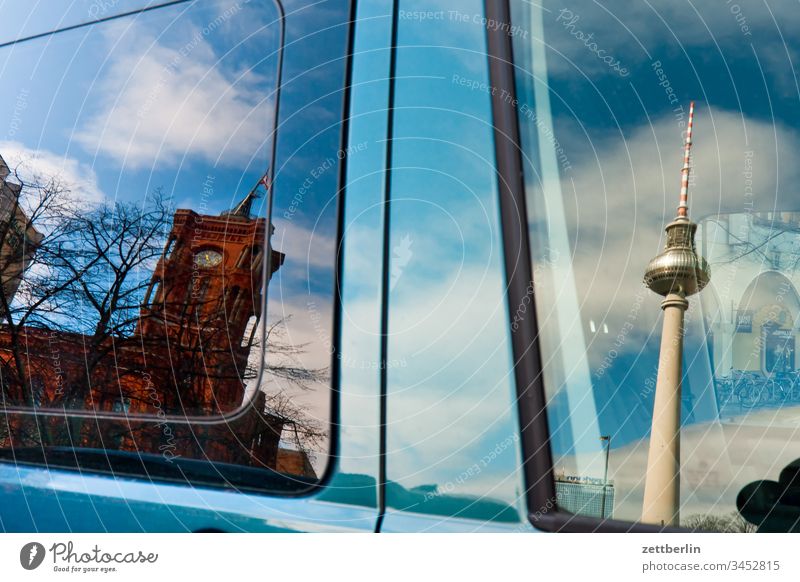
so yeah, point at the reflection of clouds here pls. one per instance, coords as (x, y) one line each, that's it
(77, 177)
(307, 328)
(163, 102)
(305, 249)
(300, 294)
(305, 331)
(630, 30)
(617, 205)
(449, 405)
(618, 197)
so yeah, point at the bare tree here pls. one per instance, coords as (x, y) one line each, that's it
(118, 248)
(34, 233)
(285, 368)
(88, 273)
(731, 523)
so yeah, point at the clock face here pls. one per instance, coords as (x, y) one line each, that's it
(207, 258)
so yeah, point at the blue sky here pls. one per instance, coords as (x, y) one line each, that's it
(169, 97)
(152, 100)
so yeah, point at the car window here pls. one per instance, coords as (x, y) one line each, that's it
(452, 442)
(604, 104)
(147, 204)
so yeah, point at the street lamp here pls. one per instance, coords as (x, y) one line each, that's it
(607, 439)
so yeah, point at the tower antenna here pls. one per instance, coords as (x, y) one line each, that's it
(683, 205)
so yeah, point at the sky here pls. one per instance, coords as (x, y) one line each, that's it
(163, 98)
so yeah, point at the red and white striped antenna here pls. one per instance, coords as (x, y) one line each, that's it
(683, 205)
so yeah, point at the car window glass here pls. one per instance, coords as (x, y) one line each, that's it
(604, 97)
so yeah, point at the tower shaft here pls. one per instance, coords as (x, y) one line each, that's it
(662, 486)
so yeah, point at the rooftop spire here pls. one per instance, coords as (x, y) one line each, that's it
(683, 205)
(245, 207)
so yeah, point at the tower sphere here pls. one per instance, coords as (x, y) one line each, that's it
(679, 269)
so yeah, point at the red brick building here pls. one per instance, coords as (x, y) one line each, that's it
(189, 358)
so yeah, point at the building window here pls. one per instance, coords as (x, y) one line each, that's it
(170, 247)
(231, 301)
(122, 404)
(250, 331)
(199, 290)
(236, 308)
(37, 391)
(258, 255)
(151, 297)
(244, 257)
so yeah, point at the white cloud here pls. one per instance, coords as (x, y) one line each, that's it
(79, 178)
(308, 331)
(162, 103)
(304, 248)
(622, 191)
(462, 389)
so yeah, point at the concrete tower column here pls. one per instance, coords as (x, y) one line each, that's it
(662, 487)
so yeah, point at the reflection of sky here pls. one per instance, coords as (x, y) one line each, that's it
(703, 53)
(306, 199)
(22, 18)
(448, 359)
(180, 98)
(160, 99)
(622, 141)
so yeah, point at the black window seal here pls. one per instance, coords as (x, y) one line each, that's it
(385, 276)
(92, 22)
(336, 364)
(540, 493)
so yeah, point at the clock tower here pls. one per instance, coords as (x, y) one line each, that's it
(201, 309)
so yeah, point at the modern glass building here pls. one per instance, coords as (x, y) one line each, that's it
(585, 496)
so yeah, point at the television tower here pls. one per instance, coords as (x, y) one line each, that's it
(676, 273)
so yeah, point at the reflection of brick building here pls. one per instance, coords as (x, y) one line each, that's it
(188, 357)
(201, 306)
(19, 239)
